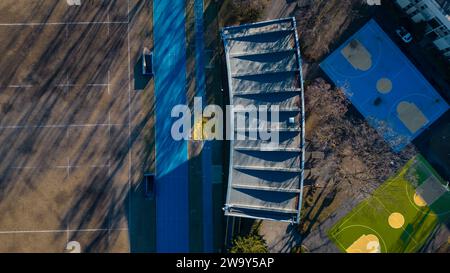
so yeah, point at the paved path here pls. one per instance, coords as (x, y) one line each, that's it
(279, 9)
(280, 237)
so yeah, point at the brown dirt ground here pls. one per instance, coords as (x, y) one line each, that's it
(61, 86)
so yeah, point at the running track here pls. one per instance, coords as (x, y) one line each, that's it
(172, 207)
(172, 202)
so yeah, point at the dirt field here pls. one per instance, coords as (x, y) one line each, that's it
(71, 125)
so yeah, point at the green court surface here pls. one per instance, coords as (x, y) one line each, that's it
(399, 216)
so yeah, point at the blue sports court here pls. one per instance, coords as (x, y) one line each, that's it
(384, 86)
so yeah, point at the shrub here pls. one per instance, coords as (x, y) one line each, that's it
(252, 243)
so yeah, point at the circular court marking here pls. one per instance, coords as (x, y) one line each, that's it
(365, 244)
(418, 200)
(359, 231)
(73, 247)
(396, 220)
(384, 85)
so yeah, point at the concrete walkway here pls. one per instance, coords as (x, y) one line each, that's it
(279, 9)
(280, 237)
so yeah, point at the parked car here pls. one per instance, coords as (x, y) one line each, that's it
(147, 62)
(149, 186)
(404, 35)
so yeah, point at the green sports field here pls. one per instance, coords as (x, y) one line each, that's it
(399, 216)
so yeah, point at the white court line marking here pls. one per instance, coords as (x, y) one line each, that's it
(109, 25)
(68, 167)
(20, 86)
(129, 119)
(24, 167)
(98, 166)
(109, 124)
(59, 126)
(62, 23)
(89, 84)
(67, 233)
(67, 85)
(109, 84)
(81, 166)
(61, 230)
(109, 117)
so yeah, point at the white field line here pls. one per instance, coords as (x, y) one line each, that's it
(67, 234)
(89, 84)
(61, 230)
(60, 126)
(20, 86)
(109, 84)
(63, 23)
(129, 116)
(98, 166)
(68, 167)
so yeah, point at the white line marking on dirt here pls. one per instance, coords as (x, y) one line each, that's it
(61, 23)
(61, 230)
(20, 86)
(89, 85)
(59, 126)
(129, 117)
(109, 77)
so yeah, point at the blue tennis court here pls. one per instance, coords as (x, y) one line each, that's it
(384, 86)
(172, 206)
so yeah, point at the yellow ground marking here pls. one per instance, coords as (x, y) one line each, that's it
(357, 55)
(365, 244)
(197, 132)
(335, 236)
(396, 220)
(384, 85)
(411, 116)
(418, 200)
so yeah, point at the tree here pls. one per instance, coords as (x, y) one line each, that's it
(346, 137)
(252, 243)
(246, 11)
(301, 249)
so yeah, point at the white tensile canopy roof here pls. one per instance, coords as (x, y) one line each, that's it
(264, 69)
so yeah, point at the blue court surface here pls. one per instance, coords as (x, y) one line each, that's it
(384, 86)
(172, 206)
(172, 179)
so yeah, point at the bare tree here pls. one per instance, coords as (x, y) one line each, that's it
(347, 138)
(245, 11)
(321, 22)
